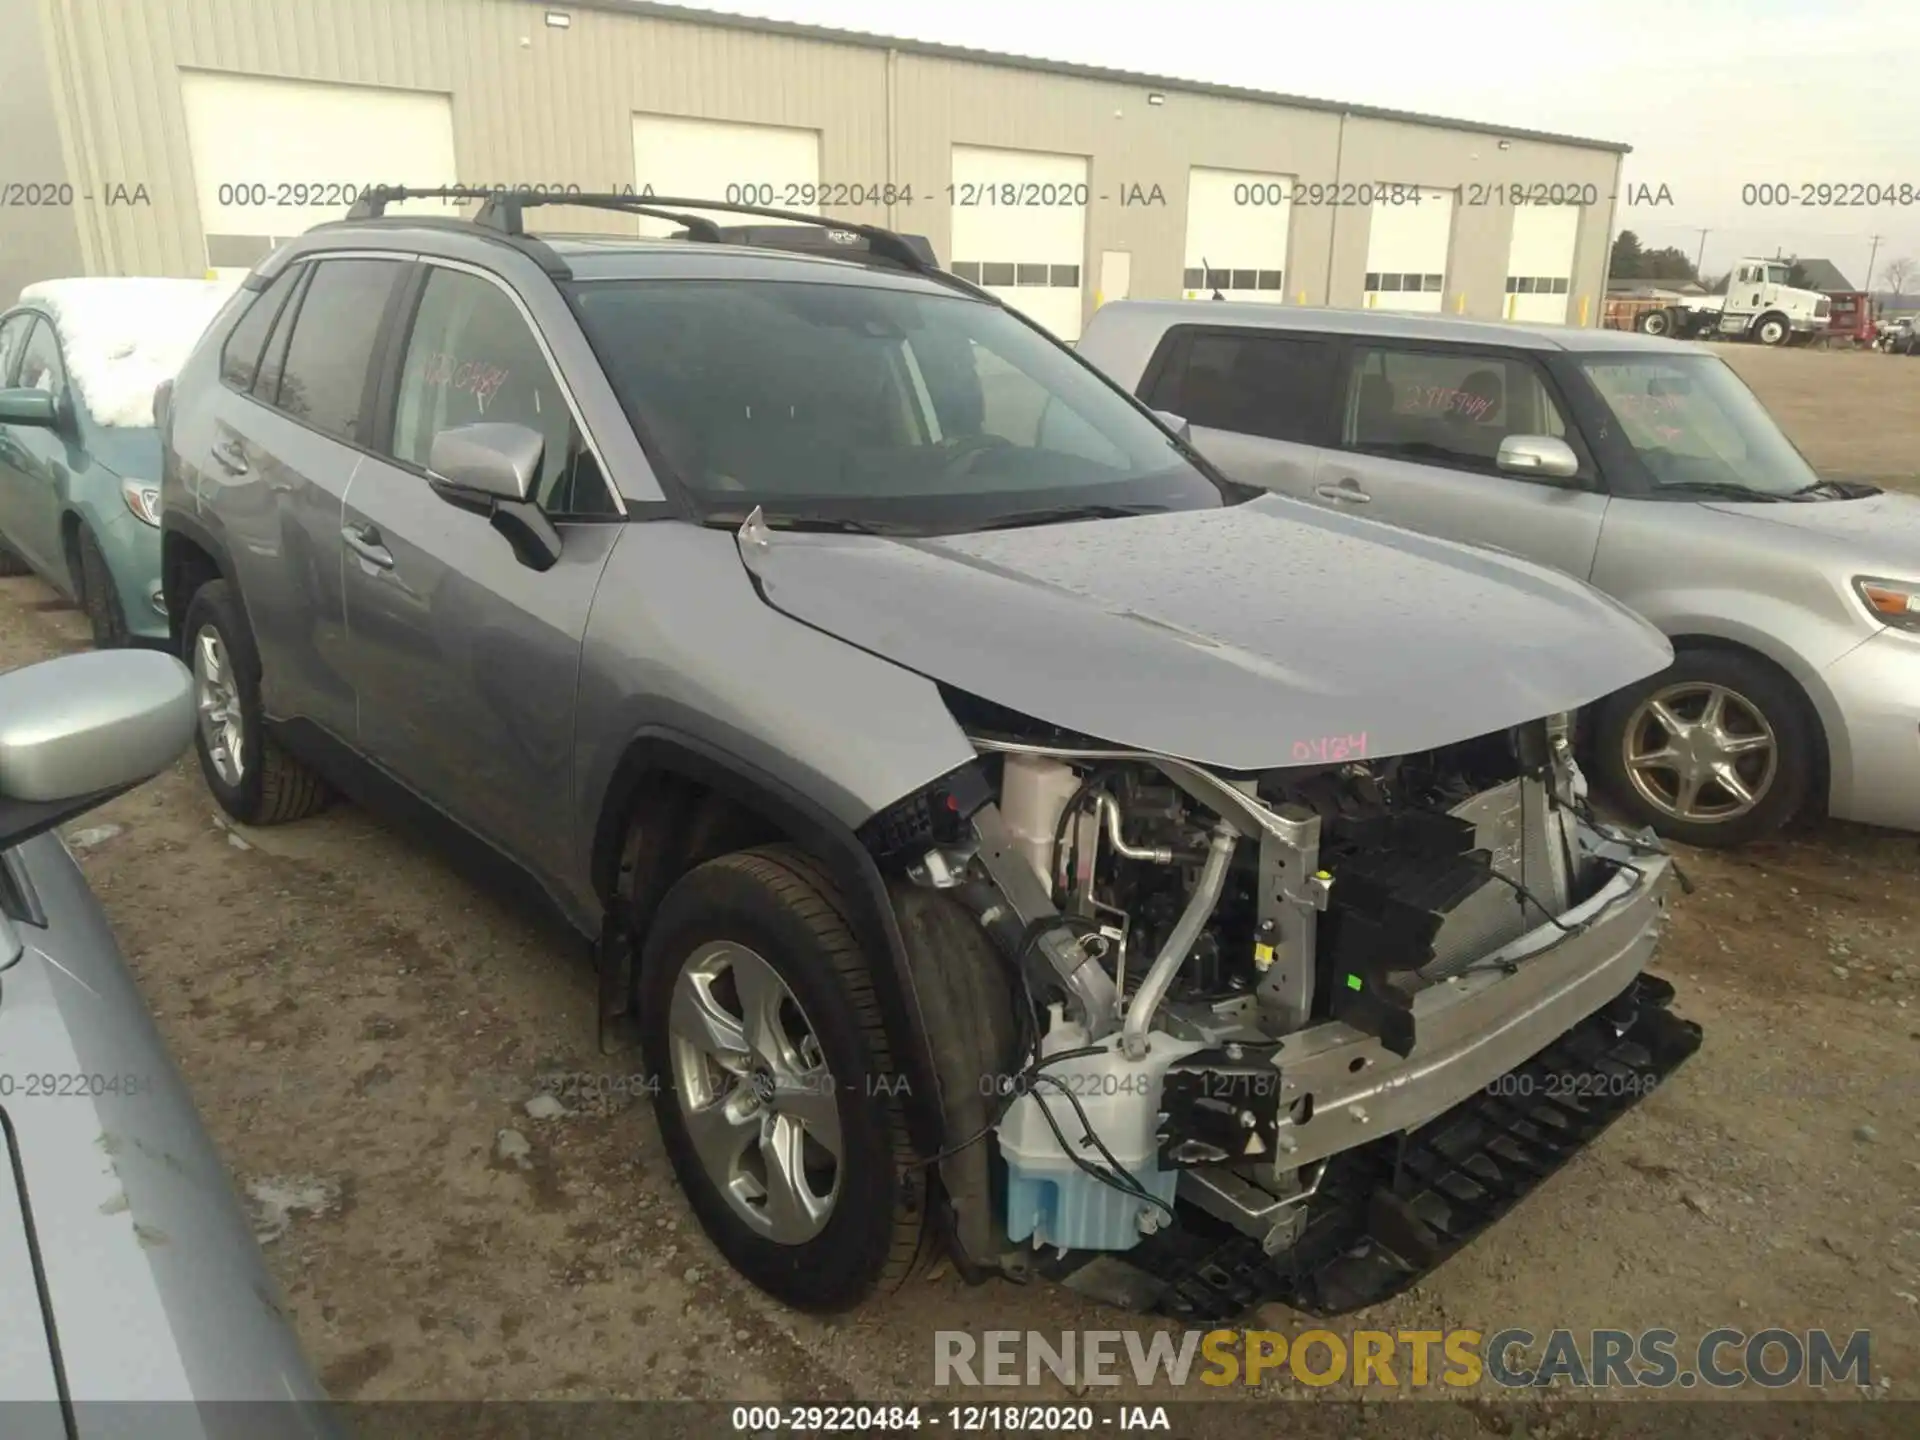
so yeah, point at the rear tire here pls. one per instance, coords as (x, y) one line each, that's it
(255, 781)
(1756, 701)
(1657, 322)
(763, 923)
(99, 597)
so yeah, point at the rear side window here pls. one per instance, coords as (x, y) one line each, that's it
(240, 356)
(1248, 382)
(1451, 407)
(330, 355)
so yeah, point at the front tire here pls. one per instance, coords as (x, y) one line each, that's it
(1772, 330)
(1716, 750)
(774, 1084)
(99, 596)
(255, 781)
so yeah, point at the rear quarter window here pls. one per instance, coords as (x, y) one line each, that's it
(1249, 382)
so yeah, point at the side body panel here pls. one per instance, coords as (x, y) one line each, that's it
(680, 643)
(157, 1286)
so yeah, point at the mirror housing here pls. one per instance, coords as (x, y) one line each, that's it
(1176, 423)
(34, 408)
(76, 731)
(1539, 457)
(490, 468)
(494, 460)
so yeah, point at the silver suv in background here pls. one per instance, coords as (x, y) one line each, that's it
(1641, 465)
(1006, 831)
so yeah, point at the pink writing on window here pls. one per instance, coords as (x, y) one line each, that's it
(476, 377)
(1431, 398)
(1331, 749)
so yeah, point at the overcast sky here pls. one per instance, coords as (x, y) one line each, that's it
(1711, 94)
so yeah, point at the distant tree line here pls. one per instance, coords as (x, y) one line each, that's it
(1632, 261)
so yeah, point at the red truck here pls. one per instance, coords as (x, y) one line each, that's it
(1851, 320)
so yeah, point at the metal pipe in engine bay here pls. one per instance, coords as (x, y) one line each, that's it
(1200, 906)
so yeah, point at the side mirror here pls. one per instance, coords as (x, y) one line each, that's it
(490, 468)
(1539, 457)
(1176, 423)
(493, 460)
(30, 407)
(76, 731)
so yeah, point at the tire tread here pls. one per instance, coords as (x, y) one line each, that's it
(805, 887)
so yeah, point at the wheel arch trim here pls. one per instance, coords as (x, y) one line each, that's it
(661, 749)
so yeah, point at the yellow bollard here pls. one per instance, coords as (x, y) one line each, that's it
(1583, 309)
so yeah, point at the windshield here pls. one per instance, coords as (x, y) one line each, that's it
(1778, 274)
(1692, 423)
(880, 406)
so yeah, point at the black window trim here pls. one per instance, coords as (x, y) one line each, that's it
(397, 332)
(1588, 478)
(1176, 343)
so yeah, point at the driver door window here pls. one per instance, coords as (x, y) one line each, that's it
(13, 338)
(40, 367)
(1445, 407)
(471, 358)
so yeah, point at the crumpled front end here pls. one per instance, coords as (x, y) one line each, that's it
(1299, 1035)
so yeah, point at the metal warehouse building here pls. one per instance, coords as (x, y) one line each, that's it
(182, 136)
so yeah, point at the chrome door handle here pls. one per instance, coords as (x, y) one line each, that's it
(364, 541)
(231, 457)
(1346, 492)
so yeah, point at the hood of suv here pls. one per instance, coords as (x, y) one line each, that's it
(1252, 637)
(1885, 527)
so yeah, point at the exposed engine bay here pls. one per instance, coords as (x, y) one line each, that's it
(1228, 982)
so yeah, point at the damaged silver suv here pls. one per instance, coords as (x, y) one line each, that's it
(1001, 832)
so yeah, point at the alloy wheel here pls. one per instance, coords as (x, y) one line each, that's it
(761, 1107)
(217, 695)
(1700, 752)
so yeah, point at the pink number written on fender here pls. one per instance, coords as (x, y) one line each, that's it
(1331, 749)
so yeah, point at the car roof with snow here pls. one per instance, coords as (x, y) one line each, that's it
(121, 336)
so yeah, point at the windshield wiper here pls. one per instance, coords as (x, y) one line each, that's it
(1062, 514)
(774, 520)
(1726, 488)
(1838, 489)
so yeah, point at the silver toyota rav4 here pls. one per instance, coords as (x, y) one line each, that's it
(1001, 831)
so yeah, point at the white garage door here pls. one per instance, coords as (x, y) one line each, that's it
(1237, 235)
(766, 165)
(1540, 263)
(1407, 246)
(1020, 230)
(273, 157)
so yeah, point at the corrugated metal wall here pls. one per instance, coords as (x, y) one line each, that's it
(534, 104)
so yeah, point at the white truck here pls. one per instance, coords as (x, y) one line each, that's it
(1758, 305)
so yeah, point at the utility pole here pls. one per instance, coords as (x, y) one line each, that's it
(1700, 254)
(1872, 255)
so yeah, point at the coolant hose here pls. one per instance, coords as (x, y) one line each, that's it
(1206, 895)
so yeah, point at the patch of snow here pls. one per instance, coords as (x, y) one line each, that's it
(122, 337)
(278, 1198)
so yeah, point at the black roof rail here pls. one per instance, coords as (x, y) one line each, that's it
(504, 211)
(832, 239)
